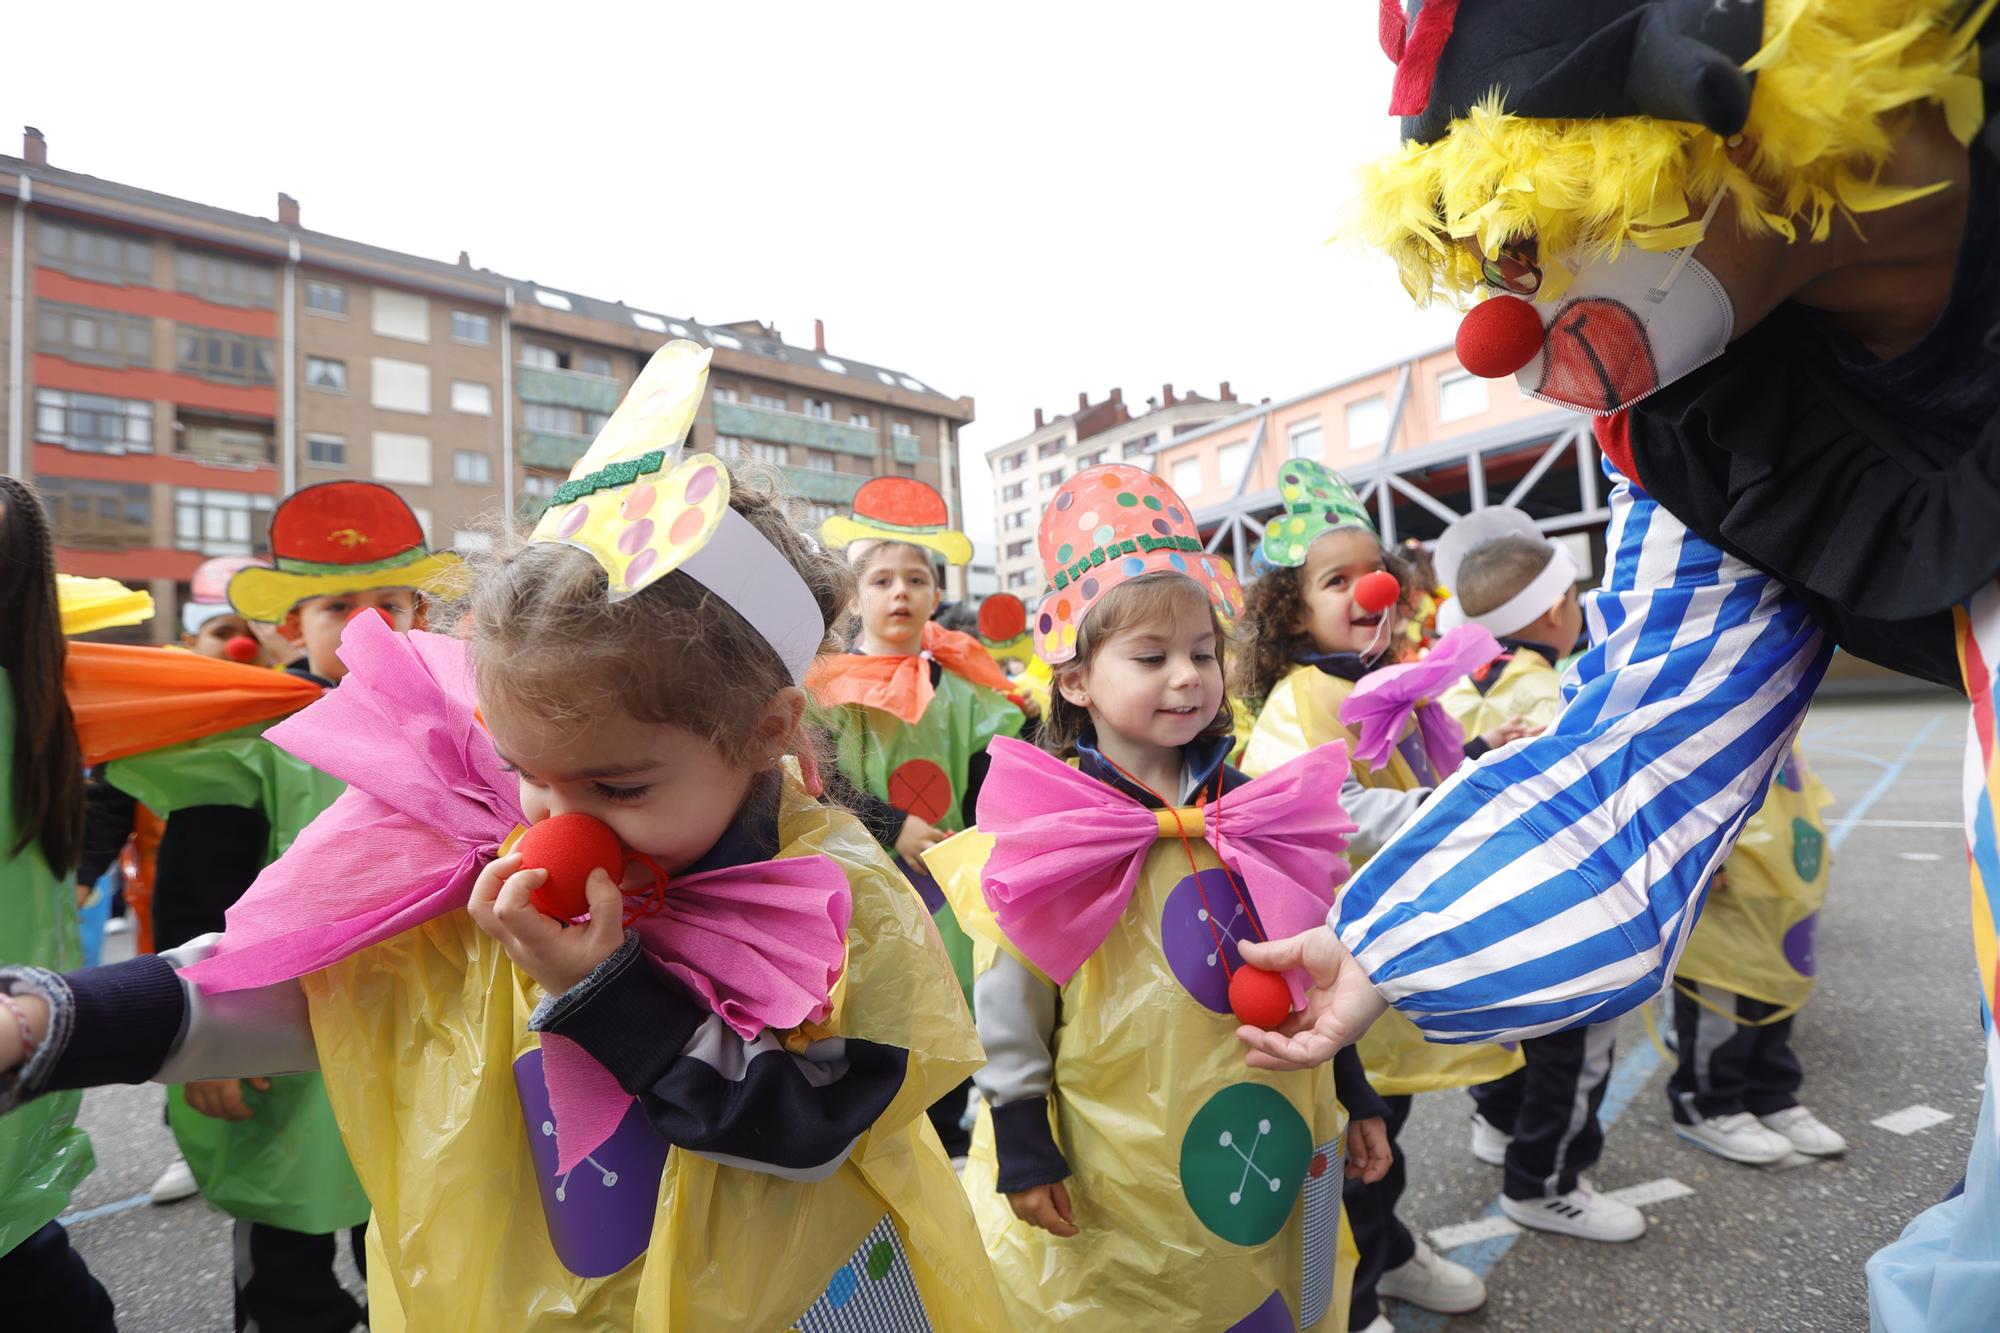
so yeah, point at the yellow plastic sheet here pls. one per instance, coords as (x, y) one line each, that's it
(419, 1038)
(93, 604)
(1206, 1191)
(1756, 931)
(1529, 688)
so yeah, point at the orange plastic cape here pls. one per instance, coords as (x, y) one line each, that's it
(901, 685)
(128, 700)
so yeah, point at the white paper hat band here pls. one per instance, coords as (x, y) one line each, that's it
(1525, 607)
(739, 565)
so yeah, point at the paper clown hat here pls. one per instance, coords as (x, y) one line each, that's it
(1316, 502)
(1587, 125)
(340, 537)
(899, 509)
(1475, 530)
(1106, 526)
(1003, 627)
(86, 604)
(208, 591)
(642, 511)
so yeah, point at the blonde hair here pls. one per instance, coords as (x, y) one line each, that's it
(1146, 599)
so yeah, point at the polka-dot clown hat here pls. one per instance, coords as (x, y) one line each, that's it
(899, 509)
(1108, 525)
(643, 511)
(1316, 502)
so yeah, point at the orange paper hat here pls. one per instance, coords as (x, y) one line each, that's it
(340, 537)
(899, 509)
(1110, 524)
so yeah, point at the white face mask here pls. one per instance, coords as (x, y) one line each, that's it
(1626, 328)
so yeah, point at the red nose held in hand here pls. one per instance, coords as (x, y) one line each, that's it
(1377, 591)
(387, 619)
(240, 648)
(569, 847)
(1499, 336)
(1259, 999)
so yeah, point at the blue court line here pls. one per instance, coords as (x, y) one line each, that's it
(1838, 835)
(104, 1210)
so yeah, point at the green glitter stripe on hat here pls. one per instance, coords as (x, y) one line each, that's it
(397, 561)
(1316, 502)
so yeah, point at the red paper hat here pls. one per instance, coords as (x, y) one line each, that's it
(1003, 627)
(899, 509)
(1110, 524)
(339, 537)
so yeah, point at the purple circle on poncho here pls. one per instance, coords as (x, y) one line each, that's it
(600, 1215)
(1799, 942)
(1189, 942)
(1273, 1316)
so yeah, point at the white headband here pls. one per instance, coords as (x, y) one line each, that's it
(1525, 607)
(196, 614)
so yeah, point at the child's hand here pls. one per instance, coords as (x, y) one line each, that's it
(917, 838)
(13, 1051)
(556, 954)
(222, 1098)
(1047, 1207)
(1369, 1155)
(1513, 729)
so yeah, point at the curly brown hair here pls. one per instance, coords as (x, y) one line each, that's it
(1135, 602)
(1269, 631)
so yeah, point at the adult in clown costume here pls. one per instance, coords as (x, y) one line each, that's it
(1761, 242)
(1127, 1172)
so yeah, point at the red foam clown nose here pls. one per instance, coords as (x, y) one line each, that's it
(569, 847)
(240, 648)
(387, 619)
(1377, 591)
(1499, 336)
(1259, 999)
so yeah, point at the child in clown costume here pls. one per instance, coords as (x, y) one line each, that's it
(699, 1108)
(1311, 634)
(1127, 1172)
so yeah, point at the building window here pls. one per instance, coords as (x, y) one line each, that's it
(226, 440)
(595, 422)
(328, 298)
(551, 420)
(819, 460)
(727, 446)
(1308, 439)
(1016, 520)
(1050, 448)
(327, 450)
(1186, 476)
(323, 373)
(774, 454)
(476, 399)
(537, 357)
(229, 358)
(101, 256)
(1050, 479)
(722, 395)
(591, 363)
(820, 408)
(1017, 550)
(399, 386)
(541, 485)
(222, 280)
(903, 429)
(1230, 462)
(1367, 422)
(861, 419)
(97, 515)
(1460, 395)
(1014, 462)
(816, 514)
(93, 423)
(404, 458)
(471, 467)
(403, 315)
(767, 400)
(221, 522)
(1089, 460)
(1135, 448)
(464, 540)
(94, 337)
(1017, 578)
(1014, 490)
(468, 327)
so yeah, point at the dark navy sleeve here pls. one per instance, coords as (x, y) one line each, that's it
(112, 1024)
(1351, 1085)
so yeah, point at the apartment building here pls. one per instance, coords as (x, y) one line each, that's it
(172, 368)
(1027, 471)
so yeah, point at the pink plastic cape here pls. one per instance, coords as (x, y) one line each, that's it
(428, 804)
(1382, 702)
(1068, 849)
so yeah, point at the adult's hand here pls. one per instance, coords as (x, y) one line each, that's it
(1341, 1004)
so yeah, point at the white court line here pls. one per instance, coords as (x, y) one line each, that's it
(1918, 856)
(1465, 1233)
(1911, 1119)
(1651, 1192)
(1908, 823)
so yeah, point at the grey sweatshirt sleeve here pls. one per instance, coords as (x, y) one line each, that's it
(1377, 813)
(1018, 1013)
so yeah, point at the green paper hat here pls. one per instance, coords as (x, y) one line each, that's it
(1316, 502)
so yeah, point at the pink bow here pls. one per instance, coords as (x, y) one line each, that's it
(1068, 849)
(428, 804)
(1382, 702)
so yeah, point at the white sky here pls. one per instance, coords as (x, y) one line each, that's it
(1016, 202)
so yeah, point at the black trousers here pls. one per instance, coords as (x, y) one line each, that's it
(1729, 1066)
(48, 1286)
(1550, 1107)
(285, 1281)
(1379, 1235)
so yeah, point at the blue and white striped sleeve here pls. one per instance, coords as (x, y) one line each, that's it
(1555, 882)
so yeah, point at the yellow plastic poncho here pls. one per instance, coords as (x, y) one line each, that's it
(1206, 1192)
(1529, 687)
(420, 1037)
(1755, 934)
(1302, 714)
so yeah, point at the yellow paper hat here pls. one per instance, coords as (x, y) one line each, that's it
(642, 511)
(93, 604)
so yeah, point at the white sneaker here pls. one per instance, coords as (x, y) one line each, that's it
(1739, 1138)
(1381, 1325)
(1489, 1145)
(1583, 1213)
(1807, 1132)
(1433, 1283)
(175, 1183)
(118, 925)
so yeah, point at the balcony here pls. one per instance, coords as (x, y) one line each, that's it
(825, 487)
(548, 449)
(905, 448)
(567, 388)
(768, 423)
